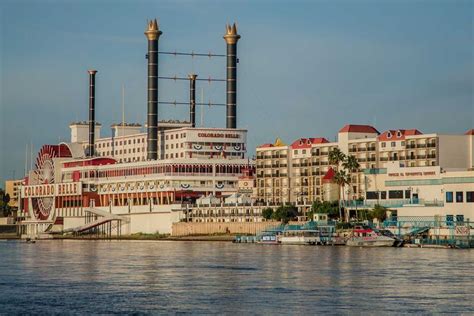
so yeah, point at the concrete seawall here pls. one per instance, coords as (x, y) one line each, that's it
(233, 228)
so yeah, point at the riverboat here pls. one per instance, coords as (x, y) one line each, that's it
(300, 237)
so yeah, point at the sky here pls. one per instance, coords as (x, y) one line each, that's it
(306, 68)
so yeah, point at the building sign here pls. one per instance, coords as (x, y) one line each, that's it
(218, 135)
(412, 174)
(44, 190)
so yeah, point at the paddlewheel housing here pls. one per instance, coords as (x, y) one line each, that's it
(44, 173)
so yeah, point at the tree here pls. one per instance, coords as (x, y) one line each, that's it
(336, 156)
(330, 208)
(341, 178)
(267, 213)
(351, 165)
(380, 212)
(4, 200)
(285, 213)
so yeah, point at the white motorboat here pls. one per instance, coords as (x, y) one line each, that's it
(367, 237)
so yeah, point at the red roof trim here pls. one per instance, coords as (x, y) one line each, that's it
(393, 135)
(90, 162)
(353, 128)
(307, 142)
(470, 132)
(329, 175)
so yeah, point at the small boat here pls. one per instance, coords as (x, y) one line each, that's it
(299, 237)
(267, 237)
(367, 237)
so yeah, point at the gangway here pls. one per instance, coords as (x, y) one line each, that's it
(102, 219)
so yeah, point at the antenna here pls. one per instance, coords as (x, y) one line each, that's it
(31, 155)
(26, 160)
(202, 106)
(123, 107)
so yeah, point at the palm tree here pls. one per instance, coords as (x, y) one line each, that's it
(351, 165)
(341, 178)
(336, 156)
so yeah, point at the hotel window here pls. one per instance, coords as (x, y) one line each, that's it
(383, 195)
(383, 145)
(171, 136)
(304, 151)
(393, 144)
(470, 196)
(296, 152)
(449, 197)
(459, 197)
(395, 194)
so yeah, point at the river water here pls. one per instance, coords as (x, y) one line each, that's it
(169, 277)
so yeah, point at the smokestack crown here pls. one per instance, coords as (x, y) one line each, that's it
(153, 31)
(231, 36)
(92, 71)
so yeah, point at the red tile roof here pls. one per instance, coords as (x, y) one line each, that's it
(352, 128)
(307, 142)
(329, 175)
(470, 132)
(265, 145)
(393, 135)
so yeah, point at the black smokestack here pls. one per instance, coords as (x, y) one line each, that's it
(192, 99)
(91, 148)
(231, 37)
(153, 34)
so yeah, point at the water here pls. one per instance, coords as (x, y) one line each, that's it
(101, 277)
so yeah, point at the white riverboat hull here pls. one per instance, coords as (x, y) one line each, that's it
(370, 242)
(299, 240)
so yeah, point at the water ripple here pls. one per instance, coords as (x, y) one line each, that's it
(142, 278)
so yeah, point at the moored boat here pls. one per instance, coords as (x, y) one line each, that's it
(300, 237)
(367, 237)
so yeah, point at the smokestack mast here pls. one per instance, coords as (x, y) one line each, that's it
(153, 34)
(91, 148)
(231, 37)
(192, 99)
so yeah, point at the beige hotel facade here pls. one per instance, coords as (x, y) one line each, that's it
(298, 172)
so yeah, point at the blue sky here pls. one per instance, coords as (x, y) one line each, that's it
(306, 67)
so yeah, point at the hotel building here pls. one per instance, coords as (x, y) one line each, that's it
(298, 173)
